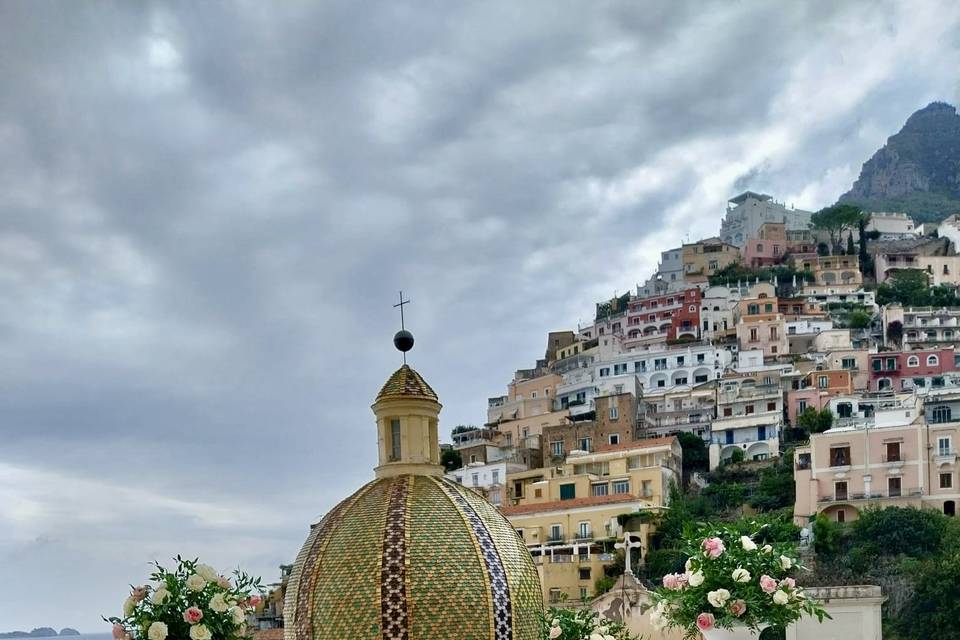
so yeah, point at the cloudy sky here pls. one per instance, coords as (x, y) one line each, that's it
(207, 209)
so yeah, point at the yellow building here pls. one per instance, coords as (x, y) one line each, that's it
(568, 515)
(707, 257)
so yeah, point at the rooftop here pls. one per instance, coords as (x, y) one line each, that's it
(406, 383)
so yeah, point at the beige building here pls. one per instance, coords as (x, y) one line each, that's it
(705, 258)
(687, 409)
(832, 271)
(568, 515)
(614, 422)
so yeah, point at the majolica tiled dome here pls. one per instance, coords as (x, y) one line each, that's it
(412, 556)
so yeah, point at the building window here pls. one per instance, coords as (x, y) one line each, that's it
(768, 308)
(748, 409)
(613, 413)
(614, 438)
(495, 477)
(584, 573)
(848, 363)
(913, 361)
(568, 491)
(556, 448)
(583, 444)
(941, 413)
(801, 406)
(395, 439)
(599, 489)
(754, 335)
(475, 479)
(727, 412)
(647, 489)
(621, 486)
(840, 490)
(822, 382)
(944, 446)
(946, 480)
(619, 369)
(753, 309)
(771, 406)
(893, 452)
(604, 372)
(933, 361)
(839, 457)
(583, 531)
(554, 595)
(841, 515)
(893, 487)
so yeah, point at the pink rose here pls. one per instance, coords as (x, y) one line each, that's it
(738, 607)
(768, 584)
(790, 583)
(193, 615)
(713, 547)
(254, 600)
(119, 632)
(705, 621)
(224, 582)
(670, 581)
(138, 593)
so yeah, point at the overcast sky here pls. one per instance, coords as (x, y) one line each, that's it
(207, 209)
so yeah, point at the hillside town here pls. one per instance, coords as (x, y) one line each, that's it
(788, 340)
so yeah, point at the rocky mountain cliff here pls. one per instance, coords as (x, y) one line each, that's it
(917, 171)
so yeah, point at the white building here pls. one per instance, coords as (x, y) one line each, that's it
(749, 210)
(806, 326)
(488, 479)
(892, 226)
(717, 308)
(668, 277)
(749, 419)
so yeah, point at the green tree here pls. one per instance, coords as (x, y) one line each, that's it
(851, 249)
(895, 332)
(912, 532)
(933, 610)
(813, 420)
(696, 456)
(736, 456)
(866, 260)
(450, 459)
(826, 535)
(909, 287)
(776, 488)
(835, 220)
(858, 319)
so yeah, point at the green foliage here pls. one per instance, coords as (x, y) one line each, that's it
(912, 532)
(933, 610)
(450, 459)
(580, 624)
(909, 287)
(603, 584)
(735, 272)
(696, 456)
(837, 219)
(858, 319)
(462, 428)
(823, 249)
(815, 421)
(826, 535)
(726, 495)
(776, 488)
(736, 456)
(895, 332)
(851, 249)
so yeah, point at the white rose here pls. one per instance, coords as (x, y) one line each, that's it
(160, 596)
(687, 565)
(781, 597)
(766, 548)
(555, 623)
(555, 632)
(718, 598)
(157, 631)
(748, 544)
(207, 572)
(609, 637)
(785, 562)
(196, 582)
(218, 604)
(695, 579)
(128, 606)
(199, 632)
(657, 620)
(239, 617)
(740, 575)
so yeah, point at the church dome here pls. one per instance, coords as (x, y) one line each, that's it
(412, 555)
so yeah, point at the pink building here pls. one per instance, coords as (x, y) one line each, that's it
(768, 247)
(903, 456)
(901, 370)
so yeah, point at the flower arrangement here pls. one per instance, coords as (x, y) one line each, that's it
(567, 624)
(192, 601)
(731, 581)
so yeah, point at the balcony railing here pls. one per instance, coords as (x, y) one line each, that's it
(554, 539)
(892, 458)
(852, 497)
(584, 536)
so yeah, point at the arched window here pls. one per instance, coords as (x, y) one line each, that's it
(883, 384)
(941, 413)
(913, 361)
(933, 361)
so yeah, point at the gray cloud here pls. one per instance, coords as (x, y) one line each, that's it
(206, 210)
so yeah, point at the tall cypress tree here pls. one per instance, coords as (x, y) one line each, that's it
(850, 249)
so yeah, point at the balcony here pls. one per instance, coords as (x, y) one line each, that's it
(581, 537)
(914, 492)
(554, 539)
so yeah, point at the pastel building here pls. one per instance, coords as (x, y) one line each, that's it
(568, 515)
(767, 247)
(487, 479)
(835, 272)
(688, 410)
(706, 258)
(924, 327)
(749, 419)
(663, 317)
(816, 390)
(748, 211)
(903, 370)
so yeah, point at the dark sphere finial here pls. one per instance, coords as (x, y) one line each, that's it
(403, 340)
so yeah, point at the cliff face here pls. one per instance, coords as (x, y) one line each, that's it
(917, 171)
